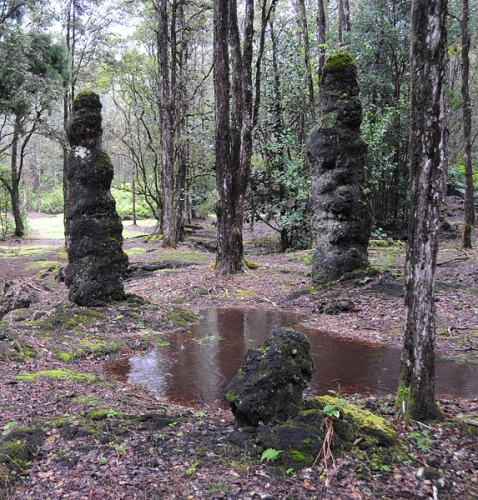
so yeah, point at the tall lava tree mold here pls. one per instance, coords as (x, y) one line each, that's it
(94, 232)
(340, 212)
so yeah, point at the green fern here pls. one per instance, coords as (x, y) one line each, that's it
(270, 454)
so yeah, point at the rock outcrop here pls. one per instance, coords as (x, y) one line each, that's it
(268, 387)
(96, 261)
(336, 152)
(17, 295)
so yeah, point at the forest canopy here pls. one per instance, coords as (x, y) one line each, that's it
(48, 55)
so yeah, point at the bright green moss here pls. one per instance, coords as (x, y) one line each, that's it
(339, 61)
(367, 422)
(61, 374)
(66, 357)
(298, 456)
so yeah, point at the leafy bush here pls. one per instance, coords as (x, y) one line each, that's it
(52, 202)
(124, 204)
(456, 177)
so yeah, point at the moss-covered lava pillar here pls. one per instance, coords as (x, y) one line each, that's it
(94, 232)
(340, 212)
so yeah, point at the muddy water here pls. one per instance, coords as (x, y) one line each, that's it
(196, 367)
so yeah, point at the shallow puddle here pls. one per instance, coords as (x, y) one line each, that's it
(196, 366)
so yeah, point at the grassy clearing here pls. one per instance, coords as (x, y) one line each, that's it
(47, 227)
(51, 227)
(35, 253)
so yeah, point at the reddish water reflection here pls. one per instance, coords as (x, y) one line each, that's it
(197, 366)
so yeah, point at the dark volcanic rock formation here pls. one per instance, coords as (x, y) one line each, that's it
(94, 230)
(268, 387)
(16, 295)
(340, 212)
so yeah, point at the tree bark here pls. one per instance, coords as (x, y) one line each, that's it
(181, 50)
(233, 143)
(16, 171)
(341, 22)
(416, 395)
(322, 25)
(305, 39)
(346, 14)
(168, 213)
(223, 131)
(465, 94)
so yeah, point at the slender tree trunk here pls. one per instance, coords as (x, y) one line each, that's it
(346, 14)
(38, 171)
(15, 183)
(133, 186)
(180, 92)
(341, 22)
(233, 142)
(416, 395)
(69, 92)
(223, 131)
(322, 29)
(465, 94)
(305, 39)
(167, 177)
(247, 123)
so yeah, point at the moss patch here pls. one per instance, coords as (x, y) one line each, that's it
(70, 375)
(180, 317)
(370, 424)
(339, 61)
(468, 424)
(135, 251)
(44, 264)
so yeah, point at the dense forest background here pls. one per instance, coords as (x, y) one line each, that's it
(129, 51)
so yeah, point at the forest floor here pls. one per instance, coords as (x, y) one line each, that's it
(92, 436)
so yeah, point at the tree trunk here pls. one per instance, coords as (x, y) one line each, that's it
(168, 213)
(15, 182)
(341, 22)
(225, 246)
(416, 394)
(465, 94)
(180, 98)
(133, 185)
(233, 143)
(346, 14)
(305, 39)
(322, 24)
(38, 173)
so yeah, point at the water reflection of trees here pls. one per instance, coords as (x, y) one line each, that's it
(198, 365)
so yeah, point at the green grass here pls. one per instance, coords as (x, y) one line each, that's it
(50, 227)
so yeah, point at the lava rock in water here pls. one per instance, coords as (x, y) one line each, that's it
(268, 387)
(94, 231)
(336, 152)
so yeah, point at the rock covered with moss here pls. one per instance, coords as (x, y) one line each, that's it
(16, 295)
(269, 385)
(336, 152)
(300, 439)
(94, 231)
(17, 448)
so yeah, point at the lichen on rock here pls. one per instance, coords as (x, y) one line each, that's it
(94, 231)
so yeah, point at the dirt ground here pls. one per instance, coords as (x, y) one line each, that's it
(92, 436)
